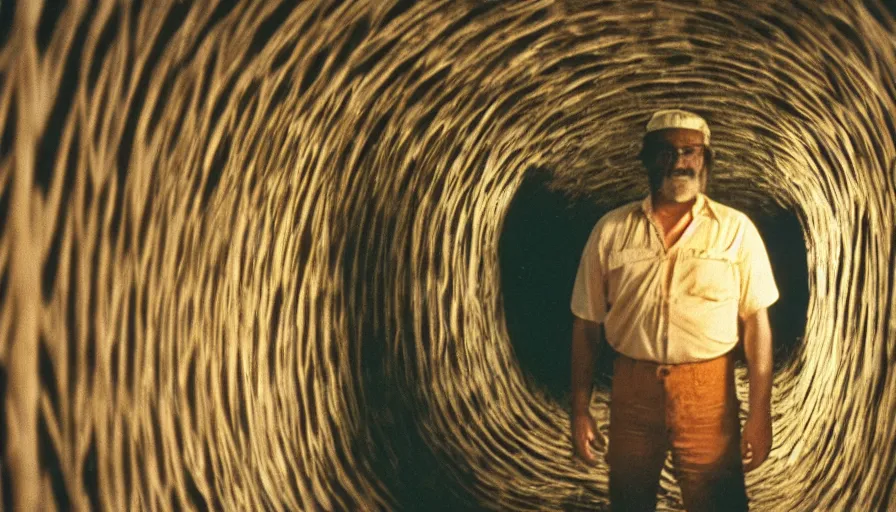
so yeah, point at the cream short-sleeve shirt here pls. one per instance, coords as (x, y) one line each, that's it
(673, 305)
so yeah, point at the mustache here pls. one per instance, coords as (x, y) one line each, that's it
(686, 171)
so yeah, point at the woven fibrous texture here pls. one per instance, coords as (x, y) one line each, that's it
(250, 251)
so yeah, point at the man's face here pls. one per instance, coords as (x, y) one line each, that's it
(676, 164)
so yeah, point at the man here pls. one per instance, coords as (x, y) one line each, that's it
(665, 281)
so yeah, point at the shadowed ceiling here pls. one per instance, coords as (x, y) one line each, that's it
(316, 255)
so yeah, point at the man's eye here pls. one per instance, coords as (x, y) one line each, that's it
(689, 151)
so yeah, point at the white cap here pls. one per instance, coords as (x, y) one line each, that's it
(663, 119)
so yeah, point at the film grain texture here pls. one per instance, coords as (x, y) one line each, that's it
(250, 251)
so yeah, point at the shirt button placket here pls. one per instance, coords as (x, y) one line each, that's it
(664, 315)
(665, 328)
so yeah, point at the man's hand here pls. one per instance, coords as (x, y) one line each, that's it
(586, 337)
(756, 441)
(586, 436)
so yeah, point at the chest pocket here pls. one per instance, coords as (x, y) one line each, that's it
(627, 271)
(711, 275)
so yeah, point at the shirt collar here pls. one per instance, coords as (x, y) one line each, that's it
(702, 206)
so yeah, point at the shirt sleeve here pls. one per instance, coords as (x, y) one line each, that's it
(757, 282)
(589, 296)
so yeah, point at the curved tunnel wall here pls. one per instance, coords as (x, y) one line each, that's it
(251, 251)
(542, 239)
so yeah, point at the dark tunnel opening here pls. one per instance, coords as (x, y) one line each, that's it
(540, 246)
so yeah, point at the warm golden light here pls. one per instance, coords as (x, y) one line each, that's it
(250, 250)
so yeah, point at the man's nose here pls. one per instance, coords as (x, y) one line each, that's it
(677, 166)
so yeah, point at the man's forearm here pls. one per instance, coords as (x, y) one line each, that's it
(585, 339)
(758, 350)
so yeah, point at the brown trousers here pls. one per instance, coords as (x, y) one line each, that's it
(691, 409)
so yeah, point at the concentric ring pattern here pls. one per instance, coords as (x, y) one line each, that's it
(250, 249)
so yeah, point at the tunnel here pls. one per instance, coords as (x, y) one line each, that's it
(543, 235)
(317, 255)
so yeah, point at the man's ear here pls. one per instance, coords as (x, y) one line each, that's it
(709, 156)
(642, 155)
